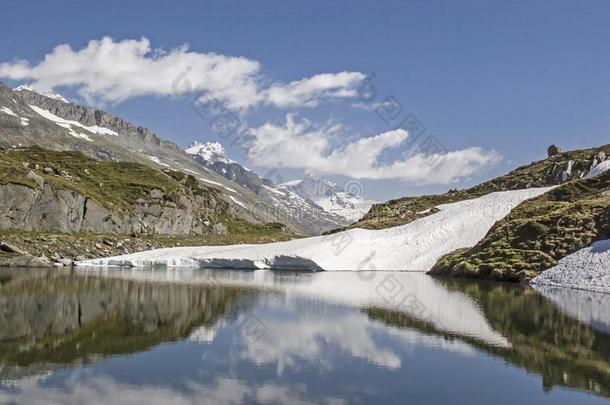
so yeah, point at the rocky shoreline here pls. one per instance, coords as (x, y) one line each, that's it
(31, 249)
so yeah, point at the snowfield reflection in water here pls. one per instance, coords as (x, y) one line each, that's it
(415, 246)
(421, 296)
(178, 336)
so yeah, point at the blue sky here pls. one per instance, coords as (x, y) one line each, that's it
(509, 77)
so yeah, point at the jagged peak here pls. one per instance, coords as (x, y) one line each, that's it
(209, 151)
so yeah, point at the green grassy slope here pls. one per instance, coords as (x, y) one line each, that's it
(115, 185)
(537, 233)
(547, 172)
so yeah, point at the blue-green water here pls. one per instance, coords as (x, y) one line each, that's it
(201, 336)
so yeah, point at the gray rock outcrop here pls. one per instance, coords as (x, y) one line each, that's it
(63, 210)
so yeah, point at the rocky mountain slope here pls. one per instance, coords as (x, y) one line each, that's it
(554, 170)
(43, 190)
(58, 207)
(289, 205)
(31, 119)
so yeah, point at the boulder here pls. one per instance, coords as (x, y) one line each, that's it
(38, 179)
(553, 150)
(7, 247)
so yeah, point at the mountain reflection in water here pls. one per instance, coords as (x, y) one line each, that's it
(275, 337)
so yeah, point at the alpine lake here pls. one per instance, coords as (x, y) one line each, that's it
(198, 336)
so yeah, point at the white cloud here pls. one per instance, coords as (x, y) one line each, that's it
(309, 91)
(113, 71)
(302, 145)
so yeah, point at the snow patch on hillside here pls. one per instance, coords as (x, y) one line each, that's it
(599, 169)
(8, 111)
(415, 246)
(275, 190)
(23, 121)
(236, 201)
(69, 124)
(215, 183)
(157, 161)
(587, 269)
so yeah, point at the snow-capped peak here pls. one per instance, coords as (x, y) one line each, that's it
(46, 93)
(210, 151)
(311, 187)
(331, 197)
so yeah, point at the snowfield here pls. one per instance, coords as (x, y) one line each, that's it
(157, 161)
(415, 246)
(587, 269)
(22, 120)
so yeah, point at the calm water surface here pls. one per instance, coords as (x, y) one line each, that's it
(214, 336)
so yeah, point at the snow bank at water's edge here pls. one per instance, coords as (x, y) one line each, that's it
(587, 269)
(415, 246)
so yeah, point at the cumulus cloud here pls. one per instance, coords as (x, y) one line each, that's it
(299, 144)
(113, 71)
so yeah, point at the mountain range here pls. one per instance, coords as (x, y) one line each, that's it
(314, 202)
(28, 118)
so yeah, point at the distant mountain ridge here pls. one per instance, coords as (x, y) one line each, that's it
(344, 206)
(288, 204)
(331, 197)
